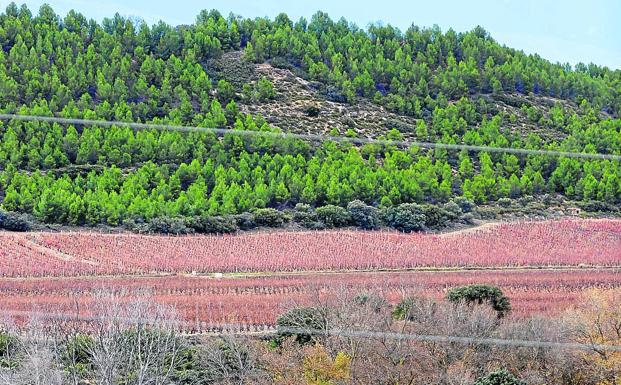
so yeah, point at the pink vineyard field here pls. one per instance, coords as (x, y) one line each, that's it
(207, 303)
(520, 244)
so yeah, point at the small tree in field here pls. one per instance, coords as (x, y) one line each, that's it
(481, 294)
(499, 377)
(302, 323)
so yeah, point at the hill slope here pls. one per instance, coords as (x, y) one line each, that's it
(317, 77)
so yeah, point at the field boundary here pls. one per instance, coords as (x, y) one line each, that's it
(267, 274)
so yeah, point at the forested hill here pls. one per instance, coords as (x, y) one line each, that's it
(314, 76)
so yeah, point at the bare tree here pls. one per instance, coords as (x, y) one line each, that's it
(137, 341)
(232, 360)
(35, 360)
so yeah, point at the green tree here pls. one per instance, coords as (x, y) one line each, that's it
(481, 294)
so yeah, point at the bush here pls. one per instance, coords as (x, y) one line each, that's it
(597, 206)
(304, 215)
(137, 225)
(270, 217)
(13, 222)
(453, 208)
(406, 217)
(402, 309)
(505, 202)
(364, 216)
(412, 308)
(499, 377)
(214, 224)
(333, 216)
(465, 204)
(306, 318)
(245, 221)
(8, 347)
(77, 354)
(312, 111)
(480, 294)
(169, 225)
(265, 89)
(436, 217)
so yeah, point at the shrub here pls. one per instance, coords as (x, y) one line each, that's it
(412, 308)
(245, 221)
(480, 294)
(453, 208)
(305, 318)
(13, 221)
(406, 217)
(8, 347)
(436, 217)
(465, 204)
(270, 217)
(505, 202)
(499, 377)
(304, 215)
(333, 216)
(169, 225)
(136, 224)
(402, 309)
(265, 89)
(312, 111)
(597, 206)
(214, 224)
(77, 354)
(364, 216)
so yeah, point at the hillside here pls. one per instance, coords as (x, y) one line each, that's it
(316, 76)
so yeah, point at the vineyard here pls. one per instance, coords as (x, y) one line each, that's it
(543, 267)
(525, 244)
(205, 303)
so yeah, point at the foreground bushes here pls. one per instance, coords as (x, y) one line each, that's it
(350, 338)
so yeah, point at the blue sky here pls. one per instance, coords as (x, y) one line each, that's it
(566, 31)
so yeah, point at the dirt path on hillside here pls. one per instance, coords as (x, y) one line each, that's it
(484, 227)
(31, 243)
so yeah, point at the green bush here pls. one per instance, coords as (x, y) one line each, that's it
(364, 216)
(411, 308)
(465, 204)
(270, 217)
(265, 89)
(333, 216)
(169, 225)
(304, 215)
(505, 202)
(406, 217)
(214, 224)
(436, 217)
(13, 222)
(480, 294)
(402, 309)
(453, 208)
(77, 354)
(8, 347)
(499, 377)
(304, 318)
(245, 221)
